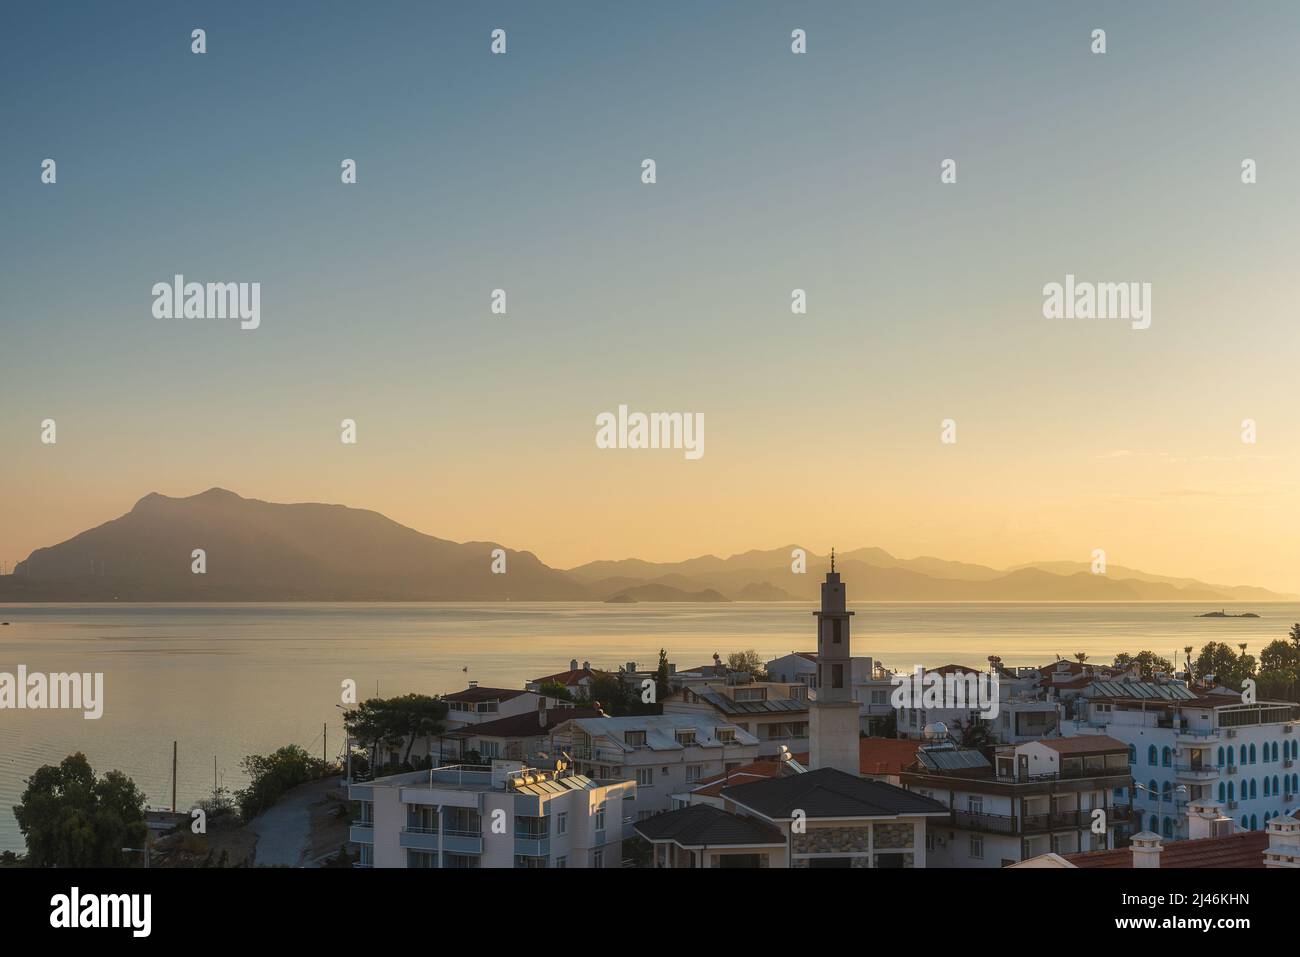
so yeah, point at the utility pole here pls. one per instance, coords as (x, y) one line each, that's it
(324, 749)
(173, 777)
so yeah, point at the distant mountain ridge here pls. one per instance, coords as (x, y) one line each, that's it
(264, 551)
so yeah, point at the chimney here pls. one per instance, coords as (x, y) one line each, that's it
(1146, 849)
(586, 666)
(573, 664)
(541, 711)
(1283, 843)
(473, 684)
(1201, 819)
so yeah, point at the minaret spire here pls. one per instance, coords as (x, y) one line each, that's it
(832, 558)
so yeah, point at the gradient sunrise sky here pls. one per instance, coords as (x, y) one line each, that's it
(775, 171)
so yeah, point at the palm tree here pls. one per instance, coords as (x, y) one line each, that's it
(1295, 633)
(1082, 656)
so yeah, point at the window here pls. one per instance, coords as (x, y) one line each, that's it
(684, 736)
(975, 804)
(976, 847)
(634, 739)
(562, 823)
(645, 777)
(727, 734)
(1151, 755)
(692, 773)
(600, 819)
(598, 858)
(837, 676)
(561, 863)
(837, 630)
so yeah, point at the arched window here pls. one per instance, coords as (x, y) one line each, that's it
(1276, 792)
(1254, 791)
(1155, 824)
(1154, 792)
(1167, 757)
(1167, 790)
(1252, 754)
(1151, 755)
(1223, 792)
(1254, 823)
(1132, 754)
(1242, 759)
(1220, 755)
(1232, 791)
(1245, 823)
(1267, 793)
(1169, 827)
(1274, 750)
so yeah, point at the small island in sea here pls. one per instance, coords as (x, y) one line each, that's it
(1223, 614)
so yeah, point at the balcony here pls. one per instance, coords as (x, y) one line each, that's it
(462, 842)
(418, 838)
(362, 832)
(527, 846)
(1196, 772)
(1030, 823)
(1188, 736)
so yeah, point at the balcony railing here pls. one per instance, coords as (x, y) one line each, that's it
(1030, 823)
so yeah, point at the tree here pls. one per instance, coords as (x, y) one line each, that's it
(609, 690)
(750, 661)
(71, 818)
(1148, 662)
(1279, 670)
(661, 677)
(1229, 668)
(1081, 656)
(1295, 634)
(553, 689)
(396, 721)
(270, 775)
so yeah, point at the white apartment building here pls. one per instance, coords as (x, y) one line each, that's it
(1024, 712)
(664, 754)
(1038, 797)
(504, 816)
(1185, 747)
(774, 712)
(869, 681)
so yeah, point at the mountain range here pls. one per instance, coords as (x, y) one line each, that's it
(263, 551)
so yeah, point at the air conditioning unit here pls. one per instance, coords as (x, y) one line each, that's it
(1232, 732)
(1288, 728)
(1232, 805)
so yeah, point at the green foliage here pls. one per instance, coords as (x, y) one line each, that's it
(553, 689)
(1148, 663)
(71, 818)
(748, 660)
(270, 775)
(394, 721)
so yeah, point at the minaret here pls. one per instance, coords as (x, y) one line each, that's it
(833, 717)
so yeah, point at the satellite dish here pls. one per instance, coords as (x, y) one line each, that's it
(938, 731)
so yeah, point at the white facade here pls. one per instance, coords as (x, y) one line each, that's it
(664, 754)
(1245, 758)
(458, 817)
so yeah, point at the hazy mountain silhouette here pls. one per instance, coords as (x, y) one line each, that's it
(262, 551)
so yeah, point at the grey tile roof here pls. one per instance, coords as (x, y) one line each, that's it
(829, 793)
(698, 825)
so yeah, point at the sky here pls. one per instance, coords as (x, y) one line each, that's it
(775, 171)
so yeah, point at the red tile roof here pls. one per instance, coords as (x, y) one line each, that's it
(1245, 849)
(568, 679)
(757, 771)
(880, 755)
(484, 694)
(1082, 744)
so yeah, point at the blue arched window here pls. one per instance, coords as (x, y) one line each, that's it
(1132, 754)
(1267, 793)
(1254, 791)
(1167, 757)
(1232, 791)
(1274, 750)
(1276, 782)
(1245, 823)
(1154, 792)
(1254, 823)
(1167, 790)
(1252, 754)
(1151, 755)
(1169, 827)
(1220, 755)
(1223, 792)
(1242, 759)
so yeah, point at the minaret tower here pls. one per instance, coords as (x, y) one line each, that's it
(833, 717)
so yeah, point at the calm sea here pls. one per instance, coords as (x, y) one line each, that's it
(230, 680)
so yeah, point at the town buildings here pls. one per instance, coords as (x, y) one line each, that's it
(508, 815)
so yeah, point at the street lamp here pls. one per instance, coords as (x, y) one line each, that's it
(1159, 796)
